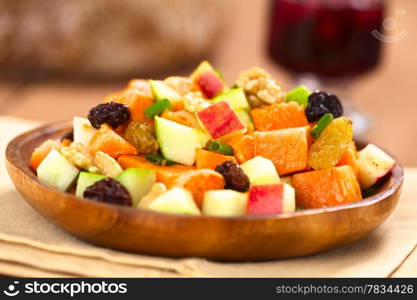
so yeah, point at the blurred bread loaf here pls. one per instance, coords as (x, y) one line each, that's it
(107, 38)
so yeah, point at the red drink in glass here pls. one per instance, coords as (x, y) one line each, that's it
(330, 39)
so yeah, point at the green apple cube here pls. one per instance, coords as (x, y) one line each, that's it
(138, 182)
(162, 91)
(236, 98)
(86, 179)
(175, 201)
(299, 94)
(56, 171)
(178, 142)
(244, 117)
(83, 131)
(260, 170)
(224, 203)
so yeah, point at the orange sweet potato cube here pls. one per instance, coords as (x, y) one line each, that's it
(108, 141)
(243, 147)
(327, 187)
(279, 116)
(164, 174)
(210, 160)
(286, 148)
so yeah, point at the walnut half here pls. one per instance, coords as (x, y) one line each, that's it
(107, 165)
(76, 154)
(260, 87)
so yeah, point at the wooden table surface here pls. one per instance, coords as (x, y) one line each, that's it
(387, 93)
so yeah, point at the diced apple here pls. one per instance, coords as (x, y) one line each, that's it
(168, 134)
(156, 190)
(260, 170)
(245, 117)
(83, 131)
(289, 198)
(175, 201)
(271, 199)
(224, 203)
(373, 164)
(210, 85)
(202, 68)
(161, 90)
(56, 171)
(208, 79)
(220, 120)
(138, 182)
(235, 97)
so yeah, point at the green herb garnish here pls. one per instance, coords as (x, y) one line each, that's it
(157, 108)
(299, 94)
(159, 160)
(219, 147)
(321, 125)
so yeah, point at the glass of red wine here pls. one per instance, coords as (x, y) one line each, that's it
(326, 44)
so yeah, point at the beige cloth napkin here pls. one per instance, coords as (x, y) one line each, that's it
(32, 246)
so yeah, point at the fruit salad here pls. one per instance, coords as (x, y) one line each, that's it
(196, 145)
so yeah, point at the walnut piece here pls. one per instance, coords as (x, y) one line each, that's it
(101, 163)
(76, 154)
(260, 87)
(182, 85)
(194, 102)
(107, 165)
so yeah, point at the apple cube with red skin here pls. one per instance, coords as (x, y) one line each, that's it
(220, 120)
(210, 84)
(373, 165)
(271, 199)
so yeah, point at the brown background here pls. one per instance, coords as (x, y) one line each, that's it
(388, 93)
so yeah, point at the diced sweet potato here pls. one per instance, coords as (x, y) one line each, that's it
(108, 141)
(200, 181)
(279, 116)
(210, 160)
(327, 187)
(286, 148)
(181, 117)
(137, 107)
(135, 100)
(243, 147)
(164, 174)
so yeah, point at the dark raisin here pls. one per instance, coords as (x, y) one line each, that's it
(320, 103)
(234, 176)
(68, 136)
(112, 113)
(110, 191)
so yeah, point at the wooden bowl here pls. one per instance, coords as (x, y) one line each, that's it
(246, 238)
